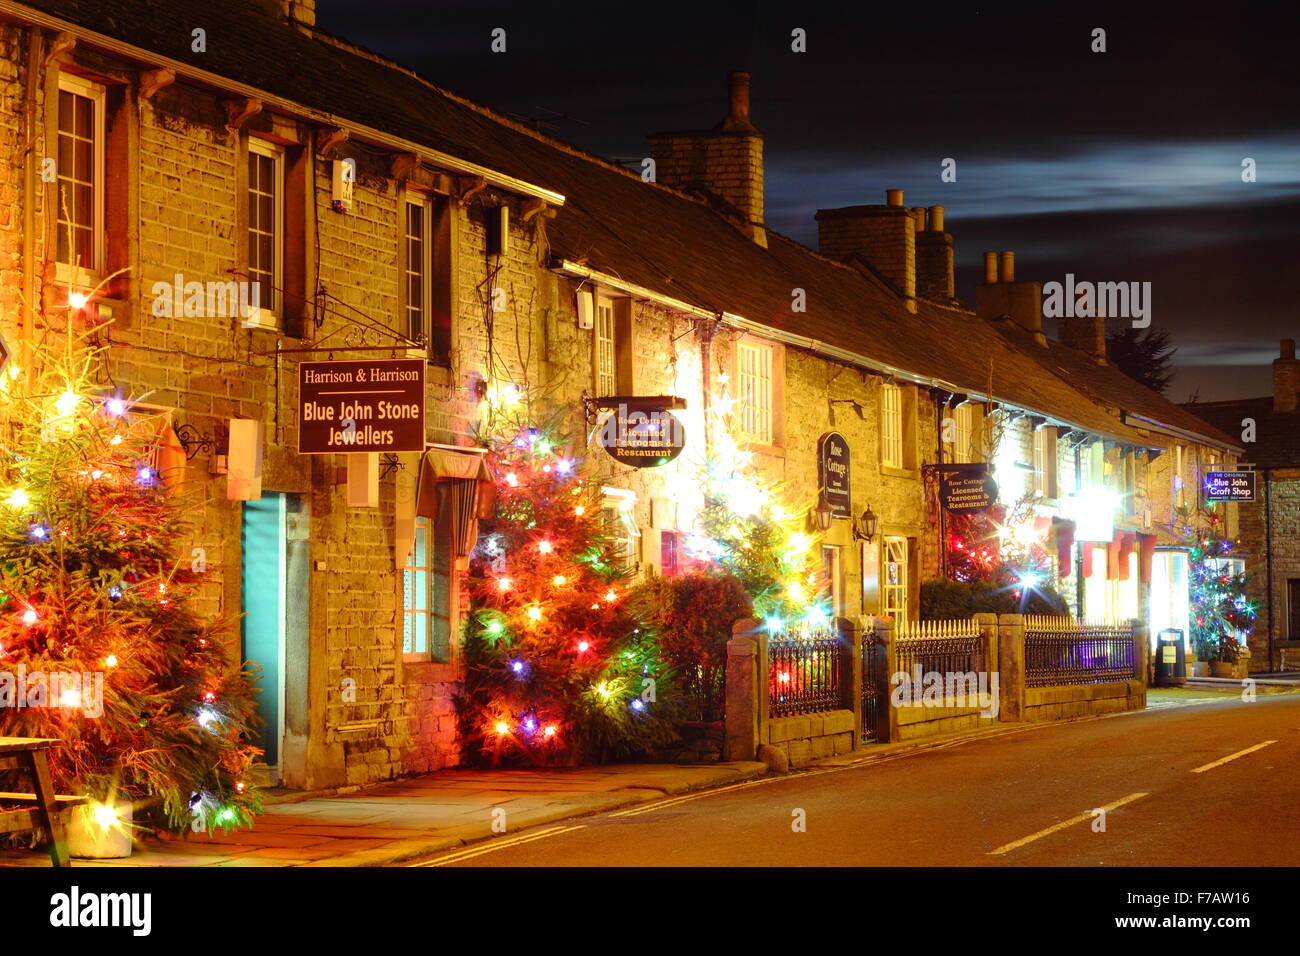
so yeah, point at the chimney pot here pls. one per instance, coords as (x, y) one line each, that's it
(738, 86)
(1288, 349)
(1007, 266)
(893, 197)
(990, 268)
(918, 216)
(1286, 378)
(936, 219)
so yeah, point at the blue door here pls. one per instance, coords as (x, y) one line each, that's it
(263, 542)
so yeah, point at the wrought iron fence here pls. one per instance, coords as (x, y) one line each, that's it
(807, 671)
(945, 647)
(1060, 650)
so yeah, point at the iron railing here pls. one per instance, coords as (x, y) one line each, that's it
(945, 647)
(808, 671)
(872, 693)
(1059, 650)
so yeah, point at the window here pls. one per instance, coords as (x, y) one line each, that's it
(1180, 495)
(415, 268)
(893, 589)
(670, 553)
(1045, 462)
(417, 594)
(1293, 609)
(891, 426)
(80, 177)
(1170, 595)
(619, 514)
(266, 227)
(963, 418)
(754, 383)
(605, 357)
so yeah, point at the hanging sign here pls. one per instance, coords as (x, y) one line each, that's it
(1230, 486)
(833, 473)
(964, 488)
(643, 436)
(374, 405)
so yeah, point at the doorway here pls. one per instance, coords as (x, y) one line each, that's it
(273, 593)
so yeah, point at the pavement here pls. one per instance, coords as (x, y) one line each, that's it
(421, 817)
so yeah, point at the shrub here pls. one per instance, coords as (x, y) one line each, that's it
(947, 600)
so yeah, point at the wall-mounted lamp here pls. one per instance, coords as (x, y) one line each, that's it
(822, 515)
(864, 526)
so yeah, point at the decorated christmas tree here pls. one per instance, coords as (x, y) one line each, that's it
(98, 645)
(558, 669)
(1221, 613)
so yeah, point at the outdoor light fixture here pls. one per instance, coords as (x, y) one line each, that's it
(864, 528)
(822, 514)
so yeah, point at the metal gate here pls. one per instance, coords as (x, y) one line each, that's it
(871, 691)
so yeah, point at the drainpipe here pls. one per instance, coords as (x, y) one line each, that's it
(35, 42)
(1268, 560)
(938, 457)
(1078, 545)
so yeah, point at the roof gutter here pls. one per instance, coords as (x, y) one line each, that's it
(1155, 426)
(834, 352)
(140, 55)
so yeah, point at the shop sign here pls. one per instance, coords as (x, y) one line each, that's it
(375, 405)
(965, 488)
(833, 473)
(643, 436)
(1230, 486)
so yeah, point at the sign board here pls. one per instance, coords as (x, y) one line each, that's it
(833, 473)
(642, 435)
(1230, 486)
(373, 405)
(964, 488)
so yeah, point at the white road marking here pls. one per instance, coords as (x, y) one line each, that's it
(500, 844)
(1086, 815)
(1240, 753)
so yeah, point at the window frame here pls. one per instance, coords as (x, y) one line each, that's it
(604, 346)
(422, 200)
(270, 316)
(1045, 462)
(97, 93)
(623, 504)
(745, 410)
(412, 566)
(891, 414)
(887, 588)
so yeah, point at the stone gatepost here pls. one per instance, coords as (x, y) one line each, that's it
(1011, 666)
(852, 637)
(988, 628)
(744, 650)
(1141, 654)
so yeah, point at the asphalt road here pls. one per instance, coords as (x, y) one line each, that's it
(1026, 798)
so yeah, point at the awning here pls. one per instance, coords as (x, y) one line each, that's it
(452, 488)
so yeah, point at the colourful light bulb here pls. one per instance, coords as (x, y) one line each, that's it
(502, 727)
(30, 617)
(545, 547)
(583, 647)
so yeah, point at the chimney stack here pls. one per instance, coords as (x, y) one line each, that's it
(299, 11)
(1002, 297)
(725, 163)
(934, 278)
(1286, 378)
(882, 236)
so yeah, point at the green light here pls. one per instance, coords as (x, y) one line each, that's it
(494, 627)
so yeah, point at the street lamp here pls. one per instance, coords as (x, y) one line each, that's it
(864, 528)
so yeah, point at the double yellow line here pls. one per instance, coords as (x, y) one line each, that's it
(503, 843)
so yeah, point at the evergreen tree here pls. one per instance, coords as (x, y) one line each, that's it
(98, 645)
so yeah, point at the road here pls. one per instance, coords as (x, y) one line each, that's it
(1023, 798)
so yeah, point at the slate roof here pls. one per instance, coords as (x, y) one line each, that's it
(1277, 434)
(1111, 387)
(611, 221)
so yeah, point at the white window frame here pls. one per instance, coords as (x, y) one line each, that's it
(1045, 462)
(85, 275)
(604, 346)
(894, 594)
(833, 565)
(268, 316)
(413, 567)
(962, 433)
(619, 509)
(756, 392)
(891, 425)
(413, 197)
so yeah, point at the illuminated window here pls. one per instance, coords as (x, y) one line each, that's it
(417, 594)
(606, 377)
(1180, 494)
(893, 587)
(1170, 595)
(1045, 462)
(754, 373)
(1095, 590)
(79, 244)
(831, 568)
(964, 427)
(618, 510)
(266, 222)
(891, 426)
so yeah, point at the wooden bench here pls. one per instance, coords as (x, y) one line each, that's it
(40, 809)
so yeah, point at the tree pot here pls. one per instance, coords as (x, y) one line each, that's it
(88, 839)
(1221, 669)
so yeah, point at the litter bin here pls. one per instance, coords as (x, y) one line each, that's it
(1171, 662)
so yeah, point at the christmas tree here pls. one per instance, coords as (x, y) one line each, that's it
(98, 645)
(1221, 613)
(558, 669)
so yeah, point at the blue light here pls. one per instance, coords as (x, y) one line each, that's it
(145, 474)
(517, 666)
(637, 704)
(39, 532)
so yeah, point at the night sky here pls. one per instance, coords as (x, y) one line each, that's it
(1122, 166)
